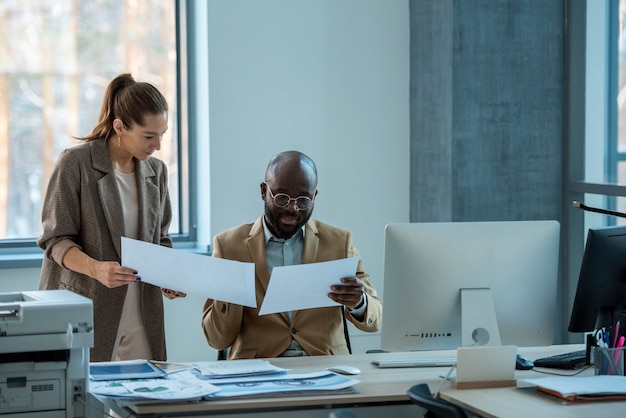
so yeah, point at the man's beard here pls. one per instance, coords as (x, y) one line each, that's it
(274, 223)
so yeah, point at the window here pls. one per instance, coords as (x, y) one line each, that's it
(617, 154)
(604, 179)
(596, 132)
(56, 58)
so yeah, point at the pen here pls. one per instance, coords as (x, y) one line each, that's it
(615, 337)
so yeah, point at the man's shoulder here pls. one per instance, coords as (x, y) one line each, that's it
(323, 228)
(242, 230)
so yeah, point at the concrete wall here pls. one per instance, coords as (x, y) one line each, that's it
(487, 90)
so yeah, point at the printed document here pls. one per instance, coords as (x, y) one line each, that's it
(216, 278)
(305, 286)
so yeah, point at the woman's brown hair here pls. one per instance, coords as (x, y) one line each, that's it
(127, 100)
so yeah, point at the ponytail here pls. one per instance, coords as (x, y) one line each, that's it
(129, 101)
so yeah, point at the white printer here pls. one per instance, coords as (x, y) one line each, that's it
(45, 338)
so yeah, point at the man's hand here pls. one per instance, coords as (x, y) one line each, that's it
(349, 292)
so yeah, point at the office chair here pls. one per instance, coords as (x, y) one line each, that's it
(345, 330)
(435, 407)
(222, 354)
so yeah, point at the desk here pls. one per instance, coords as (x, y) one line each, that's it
(512, 402)
(381, 392)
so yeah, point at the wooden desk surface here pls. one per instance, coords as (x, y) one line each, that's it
(514, 402)
(388, 386)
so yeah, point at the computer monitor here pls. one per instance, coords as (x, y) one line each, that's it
(601, 291)
(426, 266)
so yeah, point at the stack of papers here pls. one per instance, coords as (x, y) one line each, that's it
(585, 388)
(309, 383)
(237, 369)
(208, 380)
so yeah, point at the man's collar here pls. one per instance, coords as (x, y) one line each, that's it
(268, 234)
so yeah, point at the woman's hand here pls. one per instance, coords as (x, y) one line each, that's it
(112, 275)
(172, 294)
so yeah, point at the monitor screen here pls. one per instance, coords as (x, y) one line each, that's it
(601, 291)
(427, 264)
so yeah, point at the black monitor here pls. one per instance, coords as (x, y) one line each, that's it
(601, 293)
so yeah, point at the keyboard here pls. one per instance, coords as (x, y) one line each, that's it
(430, 362)
(571, 360)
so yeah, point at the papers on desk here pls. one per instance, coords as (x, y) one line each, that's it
(181, 385)
(319, 382)
(222, 379)
(237, 369)
(215, 278)
(582, 388)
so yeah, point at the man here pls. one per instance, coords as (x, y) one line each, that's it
(286, 235)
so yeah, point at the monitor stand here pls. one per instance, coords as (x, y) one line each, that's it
(479, 325)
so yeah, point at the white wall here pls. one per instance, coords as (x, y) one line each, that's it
(327, 77)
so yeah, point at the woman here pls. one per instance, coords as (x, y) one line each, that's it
(107, 187)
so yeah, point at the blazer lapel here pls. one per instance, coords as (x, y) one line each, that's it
(148, 201)
(311, 242)
(110, 199)
(256, 247)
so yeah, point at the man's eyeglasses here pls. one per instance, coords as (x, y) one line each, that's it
(282, 200)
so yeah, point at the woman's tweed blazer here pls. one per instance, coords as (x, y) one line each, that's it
(83, 208)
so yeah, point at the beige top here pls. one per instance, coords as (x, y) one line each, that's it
(131, 341)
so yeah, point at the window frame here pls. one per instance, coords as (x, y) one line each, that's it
(24, 253)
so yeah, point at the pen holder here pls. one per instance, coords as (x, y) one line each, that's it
(609, 360)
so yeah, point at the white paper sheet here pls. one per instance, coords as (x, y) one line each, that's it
(224, 370)
(305, 286)
(216, 278)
